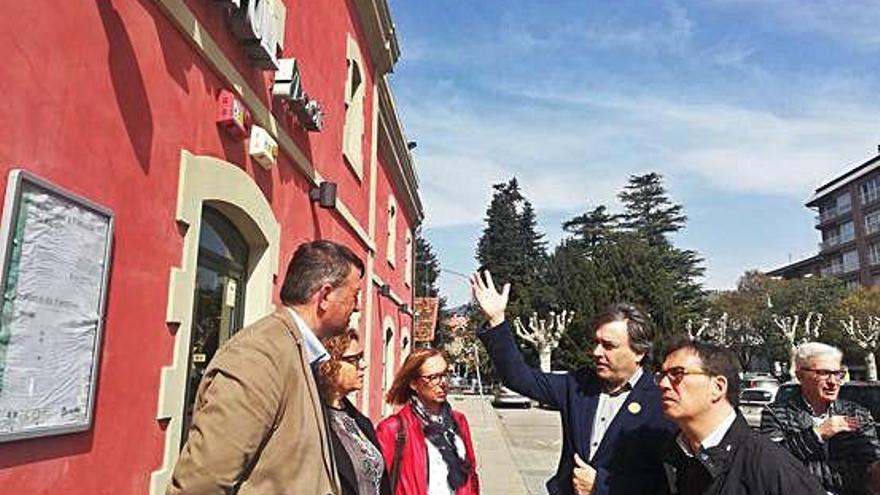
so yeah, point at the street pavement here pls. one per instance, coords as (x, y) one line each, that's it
(517, 449)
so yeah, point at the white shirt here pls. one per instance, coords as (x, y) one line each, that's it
(713, 439)
(315, 350)
(437, 470)
(606, 410)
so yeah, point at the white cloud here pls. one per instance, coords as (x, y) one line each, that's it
(735, 148)
(671, 33)
(853, 22)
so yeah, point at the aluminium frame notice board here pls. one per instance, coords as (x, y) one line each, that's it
(55, 256)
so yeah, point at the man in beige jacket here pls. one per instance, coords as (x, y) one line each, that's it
(258, 425)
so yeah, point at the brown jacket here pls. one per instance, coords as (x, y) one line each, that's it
(258, 427)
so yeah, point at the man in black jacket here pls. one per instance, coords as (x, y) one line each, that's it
(835, 439)
(716, 453)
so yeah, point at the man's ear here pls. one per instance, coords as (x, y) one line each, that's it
(321, 296)
(719, 388)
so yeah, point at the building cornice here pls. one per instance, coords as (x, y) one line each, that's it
(398, 157)
(839, 182)
(381, 38)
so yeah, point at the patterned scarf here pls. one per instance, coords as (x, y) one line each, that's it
(441, 431)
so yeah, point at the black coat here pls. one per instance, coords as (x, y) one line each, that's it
(630, 458)
(842, 461)
(344, 467)
(744, 463)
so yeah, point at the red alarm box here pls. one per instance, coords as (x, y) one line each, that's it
(232, 115)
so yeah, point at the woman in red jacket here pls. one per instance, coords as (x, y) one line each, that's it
(427, 446)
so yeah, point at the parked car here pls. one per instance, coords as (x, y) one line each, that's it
(504, 397)
(752, 402)
(866, 394)
(762, 382)
(785, 392)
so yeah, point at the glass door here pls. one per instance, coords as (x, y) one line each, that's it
(219, 298)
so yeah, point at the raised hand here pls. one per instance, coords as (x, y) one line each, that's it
(492, 302)
(836, 424)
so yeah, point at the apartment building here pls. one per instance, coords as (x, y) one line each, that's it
(848, 221)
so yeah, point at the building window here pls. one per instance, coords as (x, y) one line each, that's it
(872, 222)
(391, 245)
(387, 360)
(871, 190)
(874, 253)
(353, 131)
(842, 263)
(847, 231)
(408, 257)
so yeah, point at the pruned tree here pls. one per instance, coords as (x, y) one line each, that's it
(728, 332)
(789, 325)
(544, 334)
(859, 314)
(866, 338)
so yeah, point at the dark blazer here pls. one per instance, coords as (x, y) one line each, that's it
(744, 463)
(344, 467)
(630, 458)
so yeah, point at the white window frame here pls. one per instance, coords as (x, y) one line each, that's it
(355, 96)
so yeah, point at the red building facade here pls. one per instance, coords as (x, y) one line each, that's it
(118, 102)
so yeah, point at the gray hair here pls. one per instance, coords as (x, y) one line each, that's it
(808, 350)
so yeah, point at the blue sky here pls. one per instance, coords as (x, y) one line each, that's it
(744, 106)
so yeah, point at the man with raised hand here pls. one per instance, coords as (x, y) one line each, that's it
(612, 426)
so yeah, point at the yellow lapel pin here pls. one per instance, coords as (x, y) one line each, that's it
(634, 407)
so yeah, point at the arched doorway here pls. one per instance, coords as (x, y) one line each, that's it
(218, 309)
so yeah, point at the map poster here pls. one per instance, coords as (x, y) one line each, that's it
(55, 262)
(426, 318)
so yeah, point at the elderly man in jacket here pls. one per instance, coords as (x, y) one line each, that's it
(258, 426)
(716, 452)
(612, 428)
(835, 439)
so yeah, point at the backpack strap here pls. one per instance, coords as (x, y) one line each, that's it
(398, 452)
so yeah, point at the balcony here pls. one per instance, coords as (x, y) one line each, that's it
(832, 213)
(832, 242)
(874, 257)
(839, 268)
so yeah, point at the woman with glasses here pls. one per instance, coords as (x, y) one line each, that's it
(427, 445)
(359, 461)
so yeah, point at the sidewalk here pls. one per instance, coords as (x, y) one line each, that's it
(498, 471)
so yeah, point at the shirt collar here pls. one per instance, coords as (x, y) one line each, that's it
(630, 383)
(714, 438)
(315, 350)
(812, 411)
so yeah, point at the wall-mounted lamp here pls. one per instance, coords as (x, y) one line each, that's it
(325, 194)
(385, 290)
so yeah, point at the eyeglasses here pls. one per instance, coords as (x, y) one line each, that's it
(354, 359)
(826, 374)
(677, 373)
(436, 378)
